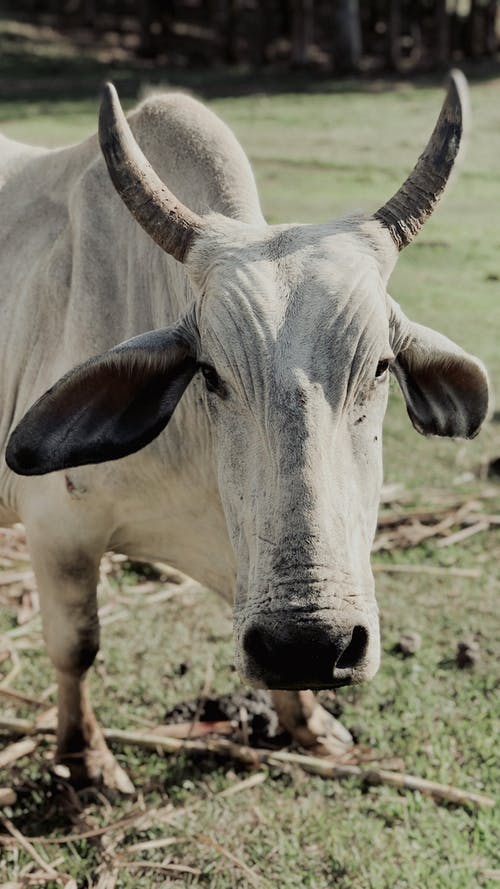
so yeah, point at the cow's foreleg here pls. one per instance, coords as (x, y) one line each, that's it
(310, 724)
(80, 742)
(67, 588)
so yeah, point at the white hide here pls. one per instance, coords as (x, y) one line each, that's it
(270, 493)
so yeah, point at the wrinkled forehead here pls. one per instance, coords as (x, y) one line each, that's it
(292, 293)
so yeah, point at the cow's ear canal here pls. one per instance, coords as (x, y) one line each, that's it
(109, 407)
(446, 390)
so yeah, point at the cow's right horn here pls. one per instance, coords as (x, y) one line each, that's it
(405, 213)
(172, 225)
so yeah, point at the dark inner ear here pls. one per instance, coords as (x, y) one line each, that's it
(446, 394)
(111, 406)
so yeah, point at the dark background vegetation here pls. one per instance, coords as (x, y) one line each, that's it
(339, 36)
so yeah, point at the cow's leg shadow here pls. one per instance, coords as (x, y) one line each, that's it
(310, 724)
(67, 584)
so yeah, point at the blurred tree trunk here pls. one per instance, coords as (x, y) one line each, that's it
(302, 30)
(89, 12)
(481, 28)
(263, 34)
(393, 33)
(157, 14)
(491, 27)
(474, 29)
(442, 33)
(347, 36)
(219, 15)
(146, 18)
(226, 25)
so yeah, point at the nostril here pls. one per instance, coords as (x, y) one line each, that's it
(257, 647)
(354, 654)
(304, 655)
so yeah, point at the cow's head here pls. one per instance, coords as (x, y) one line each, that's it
(296, 337)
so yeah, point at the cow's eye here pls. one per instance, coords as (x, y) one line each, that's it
(382, 368)
(212, 380)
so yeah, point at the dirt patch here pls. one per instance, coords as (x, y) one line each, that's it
(251, 711)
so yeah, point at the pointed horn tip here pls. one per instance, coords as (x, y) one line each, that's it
(108, 92)
(111, 116)
(457, 98)
(450, 133)
(458, 81)
(110, 108)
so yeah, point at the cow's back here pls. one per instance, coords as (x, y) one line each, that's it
(77, 273)
(197, 155)
(14, 156)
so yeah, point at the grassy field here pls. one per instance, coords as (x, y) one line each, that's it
(317, 154)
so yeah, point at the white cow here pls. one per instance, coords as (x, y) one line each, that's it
(272, 344)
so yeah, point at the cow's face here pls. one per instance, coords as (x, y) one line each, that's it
(295, 346)
(296, 336)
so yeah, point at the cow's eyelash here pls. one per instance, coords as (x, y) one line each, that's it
(382, 367)
(213, 381)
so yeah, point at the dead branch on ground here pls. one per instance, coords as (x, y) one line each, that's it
(254, 757)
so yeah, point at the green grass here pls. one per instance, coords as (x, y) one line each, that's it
(318, 154)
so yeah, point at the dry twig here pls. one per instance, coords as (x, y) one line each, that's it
(155, 865)
(17, 726)
(8, 796)
(434, 570)
(161, 843)
(195, 729)
(253, 878)
(16, 751)
(17, 696)
(29, 848)
(246, 784)
(438, 791)
(464, 534)
(254, 756)
(402, 529)
(108, 878)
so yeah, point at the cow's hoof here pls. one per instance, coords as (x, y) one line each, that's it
(310, 725)
(94, 766)
(324, 735)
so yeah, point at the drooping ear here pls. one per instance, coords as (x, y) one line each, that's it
(446, 390)
(107, 408)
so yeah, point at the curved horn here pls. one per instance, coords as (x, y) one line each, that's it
(172, 225)
(405, 213)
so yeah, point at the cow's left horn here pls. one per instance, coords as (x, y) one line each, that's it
(406, 212)
(172, 225)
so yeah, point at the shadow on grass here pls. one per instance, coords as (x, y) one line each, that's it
(48, 806)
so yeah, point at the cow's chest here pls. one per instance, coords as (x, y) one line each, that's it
(195, 542)
(159, 515)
